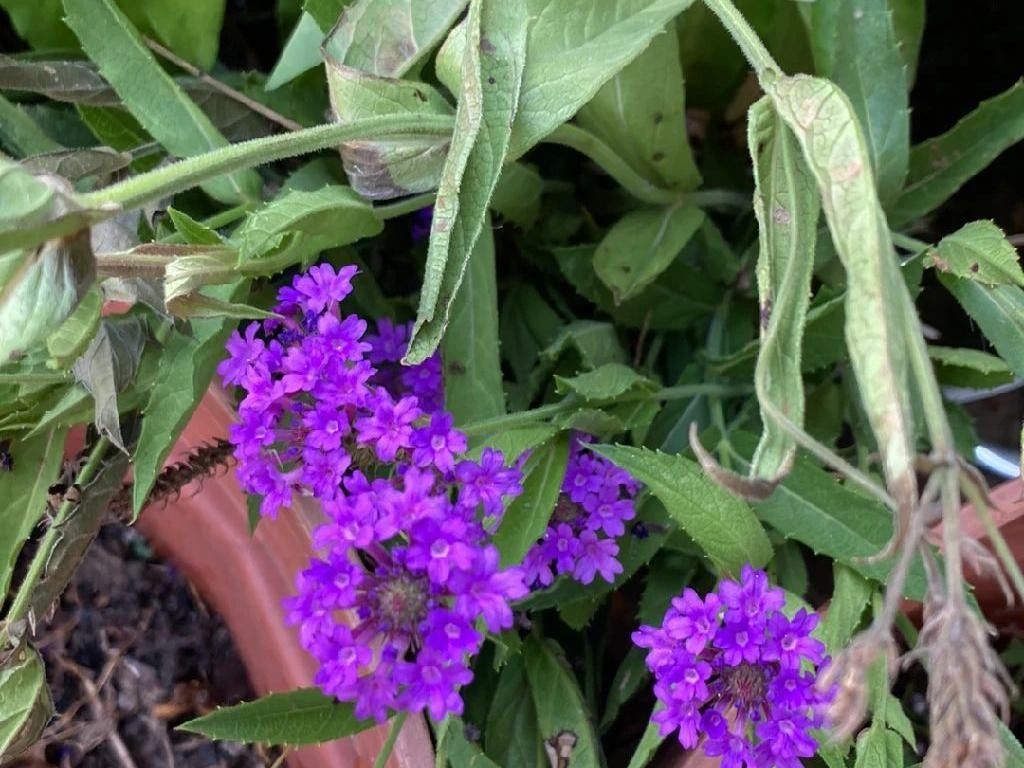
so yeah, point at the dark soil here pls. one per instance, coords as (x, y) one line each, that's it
(131, 652)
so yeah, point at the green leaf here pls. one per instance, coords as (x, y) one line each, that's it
(978, 251)
(908, 25)
(940, 166)
(1014, 750)
(513, 442)
(388, 38)
(472, 364)
(190, 29)
(301, 52)
(20, 133)
(454, 749)
(25, 703)
(527, 516)
(998, 311)
(107, 367)
(786, 206)
(187, 365)
(77, 533)
(596, 343)
(642, 245)
(573, 48)
(811, 507)
(492, 69)
(76, 82)
(388, 166)
(825, 124)
(969, 368)
(333, 215)
(640, 113)
(511, 737)
(39, 22)
(561, 710)
(192, 231)
(73, 335)
(150, 94)
(326, 12)
(879, 747)
(722, 526)
(869, 68)
(517, 194)
(850, 596)
(649, 743)
(37, 461)
(603, 383)
(298, 718)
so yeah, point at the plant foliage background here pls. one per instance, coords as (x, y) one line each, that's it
(694, 230)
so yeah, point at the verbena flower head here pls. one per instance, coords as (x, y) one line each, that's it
(596, 500)
(408, 580)
(733, 671)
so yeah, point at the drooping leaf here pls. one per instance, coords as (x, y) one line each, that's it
(511, 736)
(529, 513)
(387, 38)
(25, 703)
(642, 245)
(78, 532)
(940, 166)
(978, 251)
(187, 365)
(491, 77)
(574, 47)
(829, 134)
(333, 215)
(387, 167)
(640, 113)
(723, 526)
(869, 68)
(786, 206)
(107, 366)
(149, 93)
(998, 311)
(562, 716)
(37, 462)
(304, 716)
(970, 368)
(69, 341)
(472, 366)
(850, 596)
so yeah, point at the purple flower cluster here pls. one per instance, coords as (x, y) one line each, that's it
(592, 509)
(734, 670)
(391, 609)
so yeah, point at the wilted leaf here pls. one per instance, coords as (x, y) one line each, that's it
(77, 82)
(25, 703)
(37, 462)
(305, 716)
(492, 69)
(386, 167)
(940, 166)
(640, 113)
(979, 251)
(641, 246)
(107, 366)
(786, 206)
(150, 94)
(77, 164)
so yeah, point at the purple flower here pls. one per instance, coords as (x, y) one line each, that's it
(322, 286)
(596, 556)
(743, 680)
(438, 443)
(389, 428)
(421, 221)
(244, 354)
(487, 482)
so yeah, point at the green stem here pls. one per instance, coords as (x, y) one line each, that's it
(745, 37)
(33, 378)
(187, 173)
(403, 207)
(908, 243)
(23, 598)
(570, 136)
(523, 418)
(389, 745)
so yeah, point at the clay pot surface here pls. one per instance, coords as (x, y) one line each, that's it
(245, 578)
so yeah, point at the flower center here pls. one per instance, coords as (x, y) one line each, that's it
(746, 685)
(401, 602)
(437, 442)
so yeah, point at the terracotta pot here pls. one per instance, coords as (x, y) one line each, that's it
(244, 578)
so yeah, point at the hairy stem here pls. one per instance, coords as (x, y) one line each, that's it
(745, 37)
